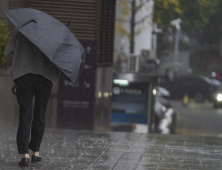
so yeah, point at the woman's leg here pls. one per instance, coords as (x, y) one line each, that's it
(24, 94)
(42, 94)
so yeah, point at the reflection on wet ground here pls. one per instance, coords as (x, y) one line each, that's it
(198, 118)
(78, 150)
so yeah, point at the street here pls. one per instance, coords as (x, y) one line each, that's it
(198, 119)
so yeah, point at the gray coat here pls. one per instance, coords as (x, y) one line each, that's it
(24, 57)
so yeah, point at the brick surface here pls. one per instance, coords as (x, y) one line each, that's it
(85, 150)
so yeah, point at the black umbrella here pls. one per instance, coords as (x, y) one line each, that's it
(53, 38)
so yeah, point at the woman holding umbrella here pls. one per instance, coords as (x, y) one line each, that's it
(33, 74)
(41, 48)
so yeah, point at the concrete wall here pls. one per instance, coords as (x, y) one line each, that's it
(4, 5)
(103, 96)
(143, 41)
(8, 103)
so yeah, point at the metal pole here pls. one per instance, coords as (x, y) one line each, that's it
(176, 45)
(221, 47)
(132, 27)
(149, 109)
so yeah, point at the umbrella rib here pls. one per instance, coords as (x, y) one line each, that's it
(25, 24)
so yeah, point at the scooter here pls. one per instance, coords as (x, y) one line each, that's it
(165, 115)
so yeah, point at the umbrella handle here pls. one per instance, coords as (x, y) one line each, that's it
(13, 90)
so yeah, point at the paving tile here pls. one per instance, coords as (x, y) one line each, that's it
(146, 167)
(124, 166)
(88, 150)
(126, 159)
(191, 166)
(168, 165)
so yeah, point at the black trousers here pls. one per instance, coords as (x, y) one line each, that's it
(27, 87)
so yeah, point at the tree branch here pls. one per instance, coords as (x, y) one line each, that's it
(140, 6)
(142, 20)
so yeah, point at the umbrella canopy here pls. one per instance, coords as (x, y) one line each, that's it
(53, 38)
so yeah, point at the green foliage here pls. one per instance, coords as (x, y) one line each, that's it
(194, 13)
(4, 40)
(212, 32)
(165, 11)
(125, 7)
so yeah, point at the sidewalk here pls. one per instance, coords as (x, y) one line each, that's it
(78, 150)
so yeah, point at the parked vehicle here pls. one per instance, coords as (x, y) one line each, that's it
(165, 116)
(196, 87)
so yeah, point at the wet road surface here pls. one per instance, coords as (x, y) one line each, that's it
(78, 150)
(198, 118)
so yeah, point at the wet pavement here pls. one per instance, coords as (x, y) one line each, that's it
(86, 150)
(198, 119)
